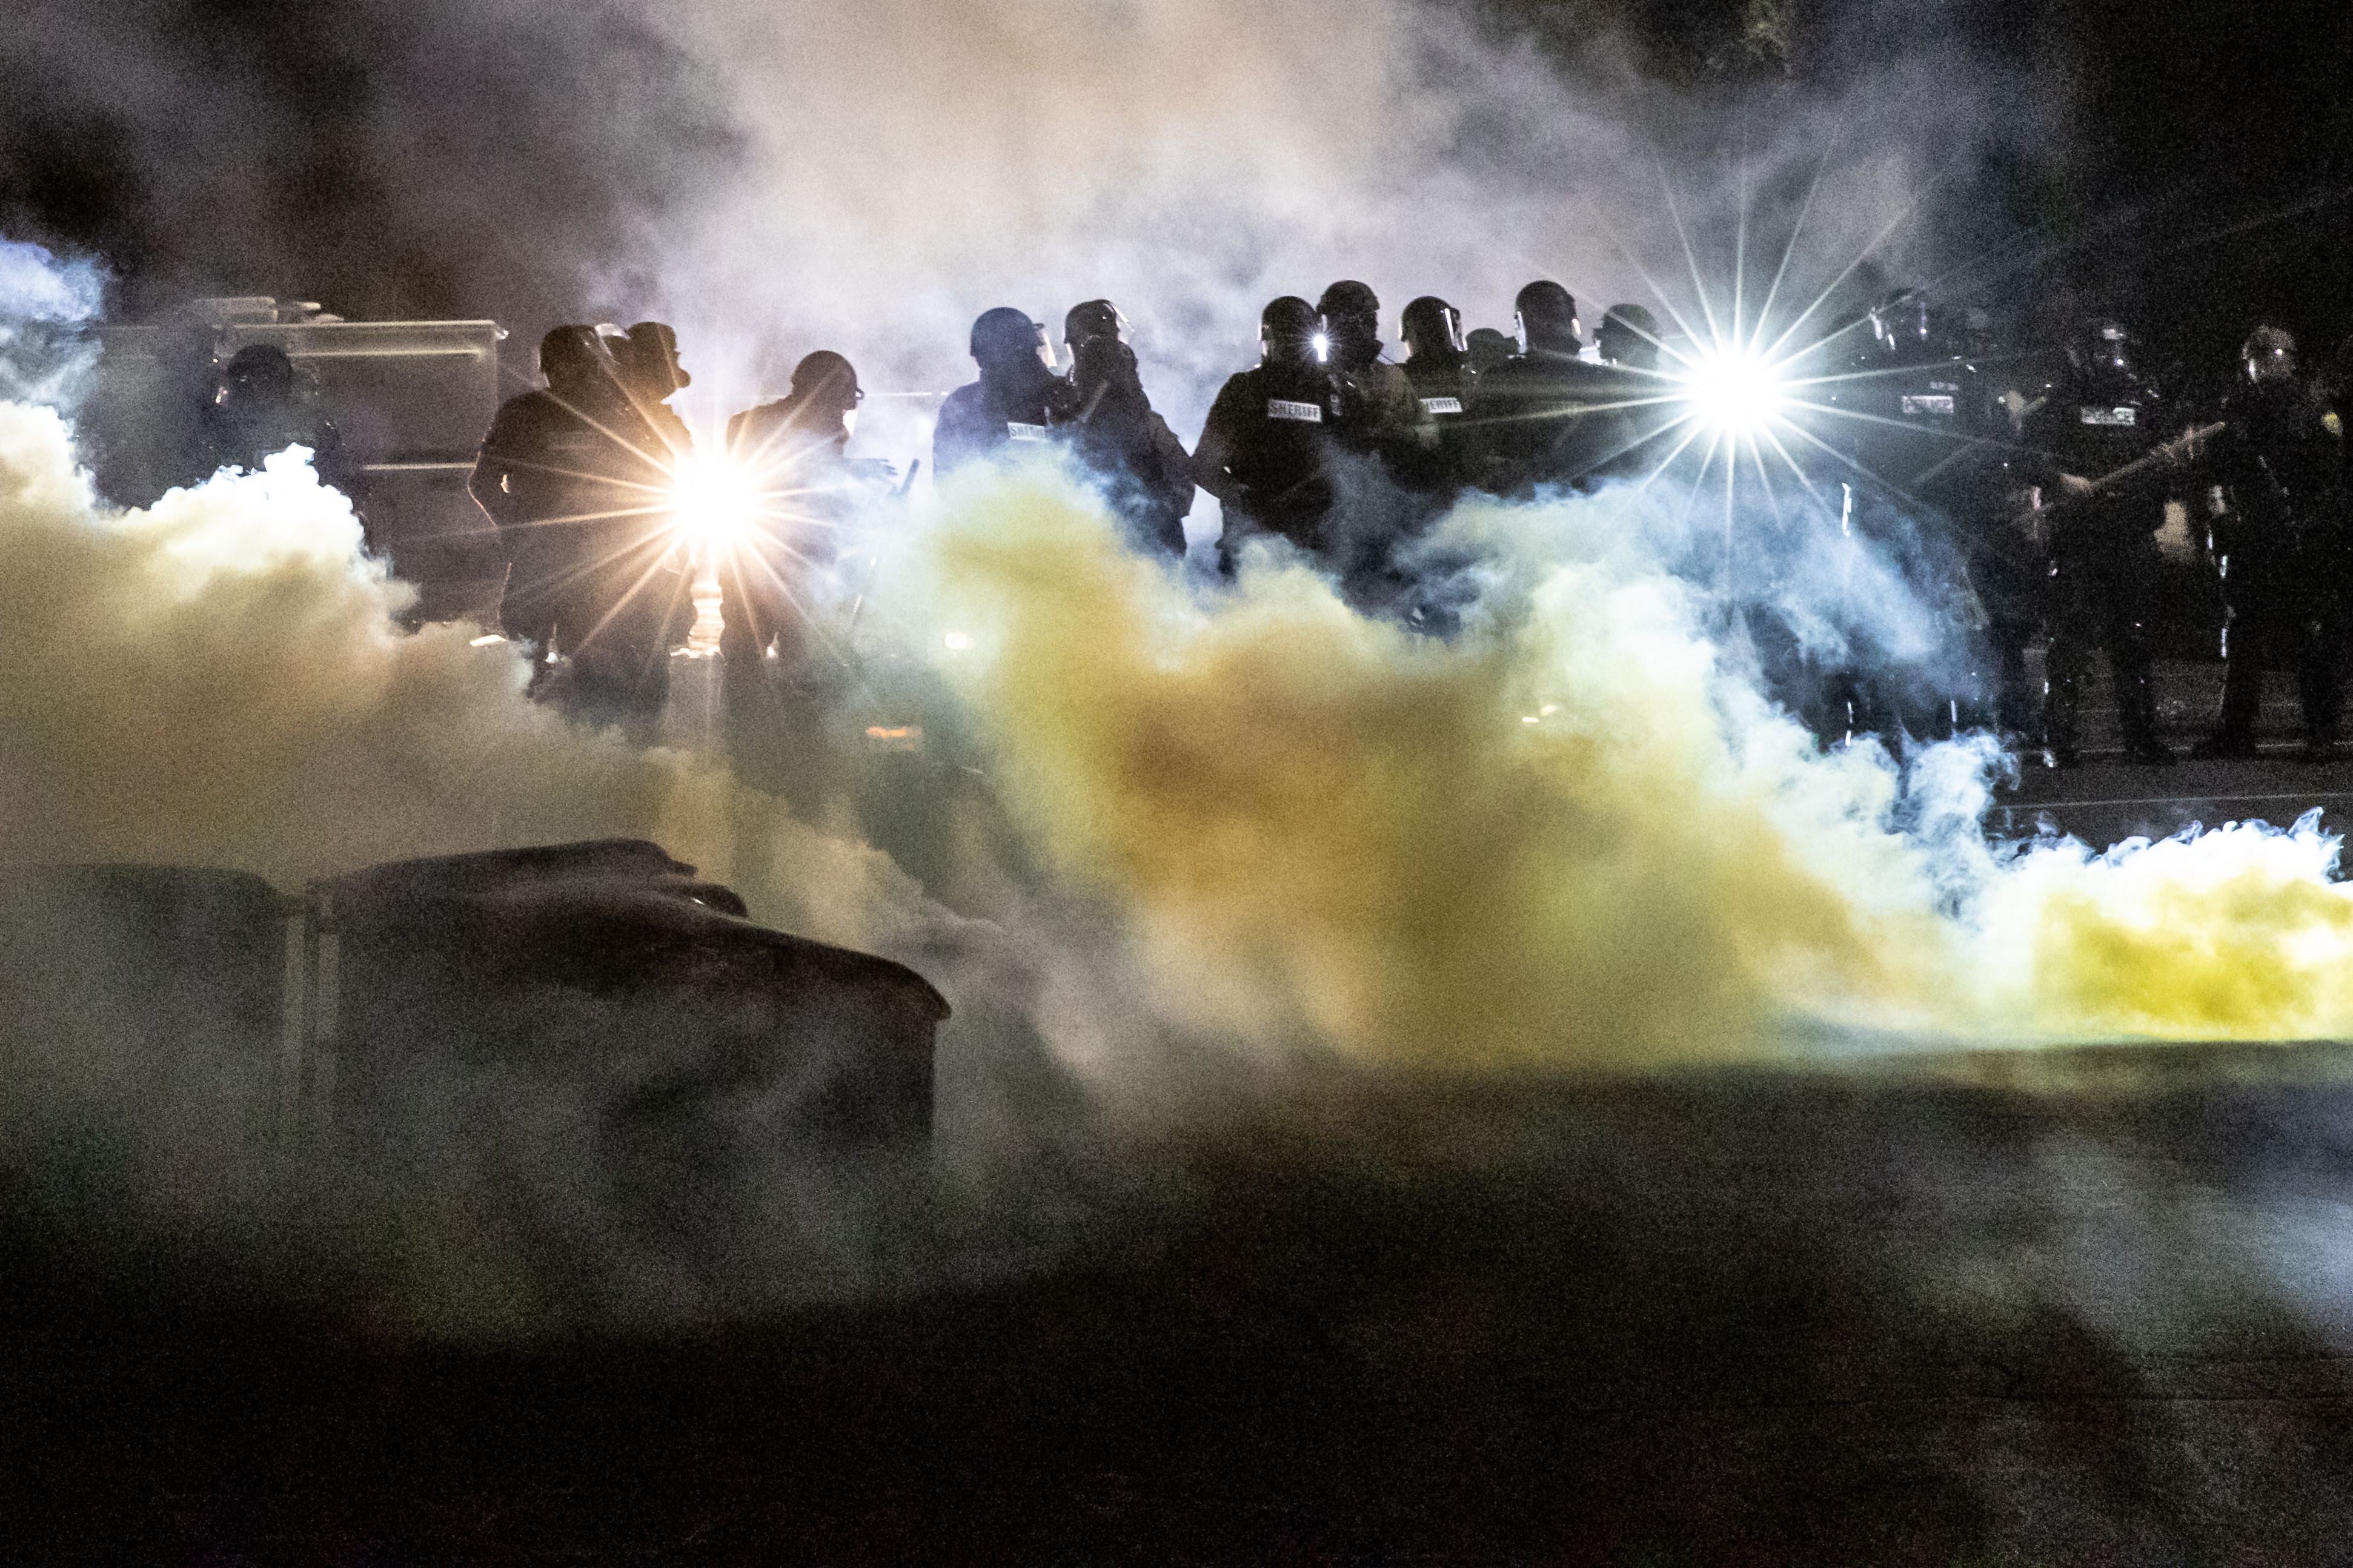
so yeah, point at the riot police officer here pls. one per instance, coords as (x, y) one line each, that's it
(1530, 411)
(2275, 480)
(1628, 339)
(1439, 462)
(1011, 402)
(1632, 402)
(2097, 416)
(260, 408)
(804, 492)
(1922, 487)
(580, 488)
(646, 356)
(1113, 432)
(1378, 417)
(1267, 450)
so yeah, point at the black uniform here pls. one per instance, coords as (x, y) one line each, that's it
(2101, 576)
(262, 409)
(1113, 430)
(1439, 460)
(1268, 451)
(982, 418)
(1925, 492)
(1535, 419)
(2277, 510)
(1013, 401)
(579, 485)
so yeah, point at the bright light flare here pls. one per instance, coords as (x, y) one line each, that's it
(718, 503)
(1734, 391)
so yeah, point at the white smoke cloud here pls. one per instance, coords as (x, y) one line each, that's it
(903, 165)
(36, 286)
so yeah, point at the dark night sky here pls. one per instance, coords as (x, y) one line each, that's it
(2188, 121)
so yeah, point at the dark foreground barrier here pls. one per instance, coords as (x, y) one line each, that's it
(594, 957)
(521, 1086)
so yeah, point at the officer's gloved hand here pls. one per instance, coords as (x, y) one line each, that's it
(1063, 401)
(2186, 449)
(2175, 542)
(1350, 398)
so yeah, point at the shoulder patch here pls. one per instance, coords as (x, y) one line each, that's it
(1302, 413)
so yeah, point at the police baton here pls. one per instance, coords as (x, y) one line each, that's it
(2032, 520)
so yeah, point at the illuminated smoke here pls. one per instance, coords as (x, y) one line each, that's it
(1314, 823)
(1572, 834)
(780, 176)
(35, 286)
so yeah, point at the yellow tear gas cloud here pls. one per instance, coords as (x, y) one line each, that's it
(1307, 822)
(219, 682)
(1313, 814)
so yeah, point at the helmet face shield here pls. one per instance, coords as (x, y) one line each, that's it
(1629, 336)
(2268, 355)
(1289, 331)
(1005, 335)
(1094, 319)
(2104, 351)
(1432, 328)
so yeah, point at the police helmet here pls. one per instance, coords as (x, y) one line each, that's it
(1352, 323)
(1287, 330)
(2268, 354)
(1485, 348)
(1547, 314)
(1004, 335)
(1904, 321)
(828, 380)
(570, 351)
(2102, 347)
(1093, 319)
(1349, 301)
(651, 348)
(1432, 330)
(1629, 336)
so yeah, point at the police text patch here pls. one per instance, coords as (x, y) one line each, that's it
(1304, 413)
(2122, 418)
(1442, 405)
(1934, 406)
(1020, 432)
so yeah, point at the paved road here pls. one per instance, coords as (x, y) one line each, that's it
(2091, 1310)
(2106, 800)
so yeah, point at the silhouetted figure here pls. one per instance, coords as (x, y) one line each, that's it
(1266, 451)
(2275, 482)
(1011, 402)
(1440, 460)
(1532, 410)
(1113, 430)
(580, 486)
(261, 408)
(2097, 416)
(806, 492)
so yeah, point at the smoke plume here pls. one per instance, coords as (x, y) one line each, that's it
(780, 177)
(1574, 831)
